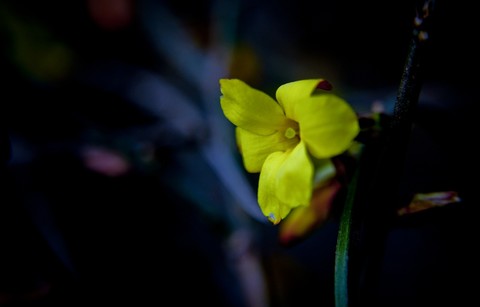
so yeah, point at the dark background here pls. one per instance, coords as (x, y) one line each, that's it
(106, 200)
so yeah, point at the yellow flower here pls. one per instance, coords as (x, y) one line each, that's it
(279, 138)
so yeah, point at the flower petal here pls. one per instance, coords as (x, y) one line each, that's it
(289, 94)
(295, 178)
(303, 220)
(285, 183)
(269, 203)
(256, 148)
(328, 124)
(249, 108)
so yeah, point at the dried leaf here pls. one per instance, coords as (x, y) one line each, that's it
(424, 201)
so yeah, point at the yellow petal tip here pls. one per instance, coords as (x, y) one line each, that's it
(271, 217)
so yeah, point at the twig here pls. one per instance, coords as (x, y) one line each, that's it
(368, 214)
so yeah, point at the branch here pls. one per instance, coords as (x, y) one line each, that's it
(369, 211)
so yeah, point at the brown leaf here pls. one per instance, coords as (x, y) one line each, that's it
(424, 201)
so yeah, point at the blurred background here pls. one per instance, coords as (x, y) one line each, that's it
(120, 178)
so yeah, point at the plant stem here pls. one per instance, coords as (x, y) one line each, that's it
(372, 200)
(342, 250)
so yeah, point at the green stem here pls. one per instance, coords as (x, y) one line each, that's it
(342, 249)
(371, 199)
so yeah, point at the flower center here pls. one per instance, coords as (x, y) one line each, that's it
(290, 133)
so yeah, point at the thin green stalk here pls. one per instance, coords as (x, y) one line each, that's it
(342, 249)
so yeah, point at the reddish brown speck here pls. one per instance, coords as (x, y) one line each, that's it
(324, 85)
